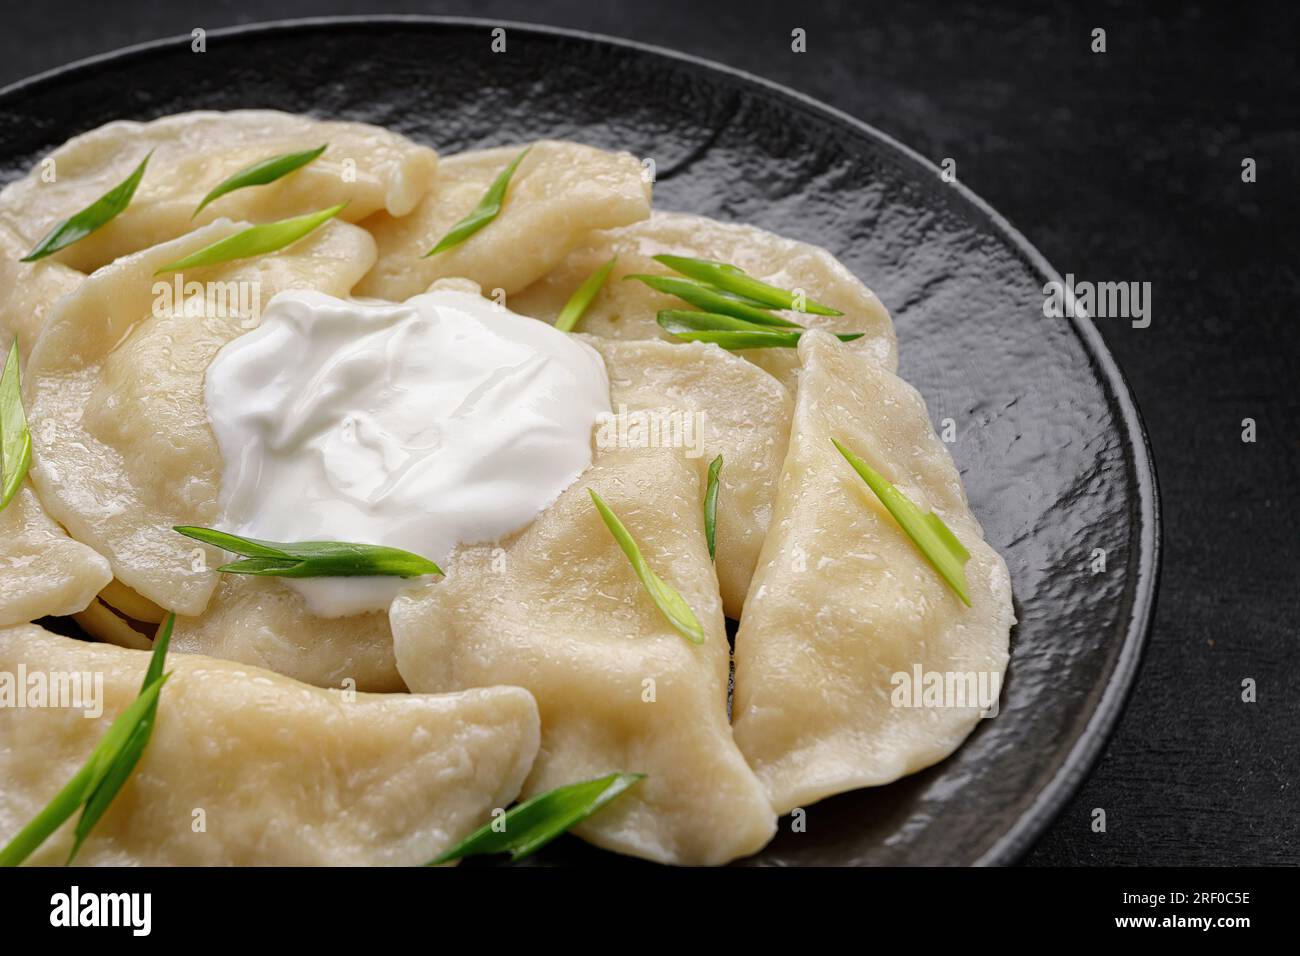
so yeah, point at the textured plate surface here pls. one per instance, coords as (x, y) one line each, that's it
(1048, 440)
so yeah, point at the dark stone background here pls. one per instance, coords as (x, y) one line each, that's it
(1119, 167)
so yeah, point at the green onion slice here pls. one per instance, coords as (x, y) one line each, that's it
(728, 278)
(531, 825)
(708, 299)
(928, 532)
(15, 438)
(711, 505)
(103, 795)
(577, 305)
(312, 559)
(732, 333)
(671, 604)
(261, 173)
(254, 241)
(97, 214)
(110, 763)
(487, 209)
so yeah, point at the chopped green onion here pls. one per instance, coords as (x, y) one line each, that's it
(711, 505)
(487, 209)
(707, 298)
(732, 333)
(728, 278)
(97, 214)
(534, 823)
(581, 299)
(725, 331)
(261, 173)
(91, 784)
(15, 438)
(671, 604)
(103, 794)
(928, 532)
(312, 559)
(255, 241)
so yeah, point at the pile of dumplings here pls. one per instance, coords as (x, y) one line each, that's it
(388, 738)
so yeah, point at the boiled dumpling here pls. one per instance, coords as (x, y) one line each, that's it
(275, 771)
(262, 622)
(558, 193)
(122, 449)
(738, 411)
(627, 309)
(370, 168)
(28, 290)
(42, 570)
(559, 611)
(842, 601)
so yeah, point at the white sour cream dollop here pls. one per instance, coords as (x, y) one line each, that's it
(440, 421)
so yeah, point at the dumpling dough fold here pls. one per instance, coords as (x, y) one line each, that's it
(559, 192)
(369, 168)
(28, 290)
(842, 601)
(42, 570)
(737, 410)
(628, 309)
(262, 622)
(559, 611)
(282, 773)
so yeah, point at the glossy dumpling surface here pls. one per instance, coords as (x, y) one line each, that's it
(28, 290)
(736, 410)
(122, 446)
(369, 168)
(283, 773)
(557, 194)
(559, 611)
(42, 570)
(842, 601)
(627, 309)
(260, 621)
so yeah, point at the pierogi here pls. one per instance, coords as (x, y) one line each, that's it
(261, 622)
(42, 570)
(28, 290)
(843, 603)
(731, 408)
(369, 168)
(535, 642)
(559, 192)
(626, 308)
(246, 767)
(559, 611)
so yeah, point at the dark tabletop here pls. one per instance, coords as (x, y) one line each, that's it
(1120, 166)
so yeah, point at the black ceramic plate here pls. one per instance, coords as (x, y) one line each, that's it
(1049, 442)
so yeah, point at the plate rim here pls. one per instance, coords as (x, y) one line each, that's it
(1083, 755)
